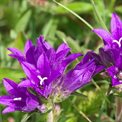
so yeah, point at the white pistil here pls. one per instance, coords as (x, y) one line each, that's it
(118, 42)
(41, 79)
(17, 99)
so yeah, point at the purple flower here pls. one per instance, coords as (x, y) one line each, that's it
(108, 57)
(115, 70)
(113, 39)
(43, 65)
(47, 75)
(111, 54)
(116, 75)
(77, 77)
(18, 99)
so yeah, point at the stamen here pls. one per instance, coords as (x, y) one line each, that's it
(41, 79)
(118, 42)
(17, 99)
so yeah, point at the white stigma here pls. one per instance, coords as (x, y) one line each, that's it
(118, 42)
(17, 99)
(41, 79)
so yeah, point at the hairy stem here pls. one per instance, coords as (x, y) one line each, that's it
(54, 114)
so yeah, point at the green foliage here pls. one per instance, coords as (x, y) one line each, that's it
(79, 7)
(14, 74)
(23, 21)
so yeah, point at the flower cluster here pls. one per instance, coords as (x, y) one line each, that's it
(46, 75)
(111, 53)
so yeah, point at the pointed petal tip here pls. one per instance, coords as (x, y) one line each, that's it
(8, 110)
(114, 17)
(25, 83)
(28, 45)
(41, 37)
(9, 84)
(97, 29)
(28, 42)
(9, 48)
(114, 14)
(5, 80)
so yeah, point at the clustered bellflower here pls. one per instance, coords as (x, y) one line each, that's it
(111, 53)
(47, 75)
(18, 99)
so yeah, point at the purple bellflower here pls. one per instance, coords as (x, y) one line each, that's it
(18, 99)
(47, 75)
(115, 70)
(111, 54)
(82, 73)
(113, 39)
(43, 64)
(45, 68)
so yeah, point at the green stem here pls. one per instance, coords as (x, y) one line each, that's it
(98, 15)
(95, 84)
(53, 114)
(76, 15)
(50, 117)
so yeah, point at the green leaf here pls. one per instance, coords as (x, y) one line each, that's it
(19, 41)
(119, 9)
(14, 74)
(78, 7)
(23, 21)
(47, 28)
(72, 43)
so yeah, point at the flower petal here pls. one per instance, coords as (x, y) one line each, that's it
(77, 78)
(32, 55)
(116, 26)
(71, 58)
(8, 110)
(42, 44)
(28, 45)
(30, 71)
(112, 72)
(43, 64)
(5, 100)
(31, 104)
(106, 36)
(25, 83)
(9, 85)
(16, 54)
(62, 47)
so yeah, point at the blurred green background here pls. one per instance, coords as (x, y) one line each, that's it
(27, 19)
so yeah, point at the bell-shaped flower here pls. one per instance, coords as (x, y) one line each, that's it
(113, 39)
(111, 53)
(43, 64)
(17, 99)
(82, 74)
